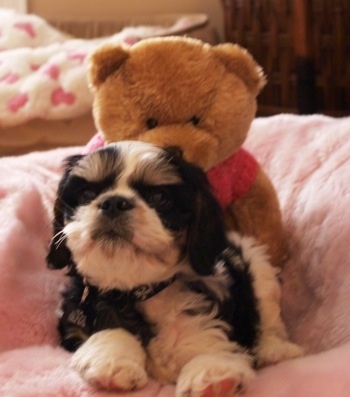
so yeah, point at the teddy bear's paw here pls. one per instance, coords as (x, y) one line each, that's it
(215, 375)
(272, 350)
(111, 360)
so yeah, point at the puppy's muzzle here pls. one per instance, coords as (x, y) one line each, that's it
(113, 206)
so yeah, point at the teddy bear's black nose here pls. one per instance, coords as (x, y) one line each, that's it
(112, 206)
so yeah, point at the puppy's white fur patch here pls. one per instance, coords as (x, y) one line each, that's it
(112, 359)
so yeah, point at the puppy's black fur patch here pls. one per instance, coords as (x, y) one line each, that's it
(86, 310)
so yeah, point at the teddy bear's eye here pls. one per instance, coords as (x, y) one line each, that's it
(194, 120)
(151, 123)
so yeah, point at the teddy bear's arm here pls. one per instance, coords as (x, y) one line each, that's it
(258, 214)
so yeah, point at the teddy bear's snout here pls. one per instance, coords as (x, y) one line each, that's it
(198, 146)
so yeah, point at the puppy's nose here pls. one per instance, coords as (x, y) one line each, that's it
(112, 206)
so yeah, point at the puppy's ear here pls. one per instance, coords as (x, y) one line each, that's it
(59, 254)
(206, 237)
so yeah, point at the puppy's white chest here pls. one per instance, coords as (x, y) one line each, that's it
(162, 307)
(172, 305)
(182, 321)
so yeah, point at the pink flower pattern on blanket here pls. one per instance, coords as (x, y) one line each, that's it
(52, 71)
(9, 78)
(77, 56)
(61, 97)
(34, 67)
(26, 27)
(17, 102)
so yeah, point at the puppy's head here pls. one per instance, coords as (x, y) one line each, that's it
(132, 213)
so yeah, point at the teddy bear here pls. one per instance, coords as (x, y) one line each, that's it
(201, 98)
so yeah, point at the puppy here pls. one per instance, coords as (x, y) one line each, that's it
(156, 287)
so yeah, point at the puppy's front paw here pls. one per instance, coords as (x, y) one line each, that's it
(123, 375)
(272, 350)
(215, 375)
(112, 359)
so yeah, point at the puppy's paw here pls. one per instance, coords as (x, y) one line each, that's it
(123, 375)
(272, 350)
(112, 359)
(215, 375)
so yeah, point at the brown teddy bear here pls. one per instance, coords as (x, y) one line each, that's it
(181, 92)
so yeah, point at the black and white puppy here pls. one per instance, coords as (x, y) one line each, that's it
(156, 286)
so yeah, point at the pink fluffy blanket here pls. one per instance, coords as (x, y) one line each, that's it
(308, 159)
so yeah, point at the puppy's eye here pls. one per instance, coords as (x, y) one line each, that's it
(160, 199)
(86, 196)
(151, 123)
(194, 120)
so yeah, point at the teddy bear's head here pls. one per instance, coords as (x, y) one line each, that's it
(176, 91)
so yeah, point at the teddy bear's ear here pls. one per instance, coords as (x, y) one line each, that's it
(104, 61)
(239, 61)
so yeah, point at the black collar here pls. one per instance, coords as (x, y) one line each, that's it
(140, 293)
(144, 292)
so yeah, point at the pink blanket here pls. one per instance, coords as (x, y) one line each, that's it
(308, 159)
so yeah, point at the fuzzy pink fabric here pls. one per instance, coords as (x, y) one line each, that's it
(308, 159)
